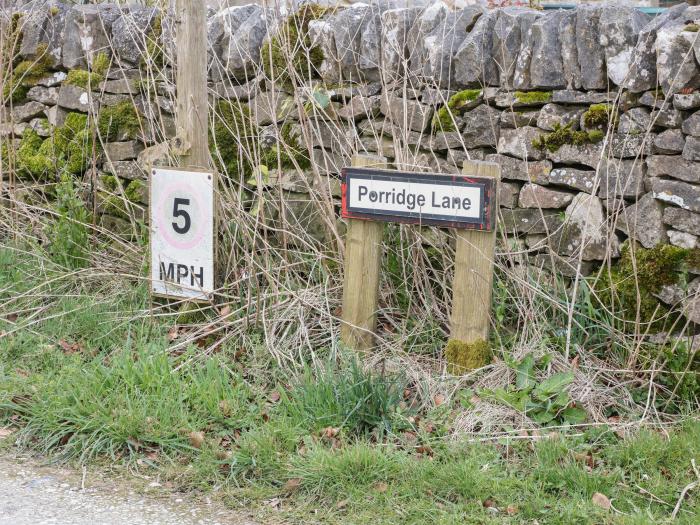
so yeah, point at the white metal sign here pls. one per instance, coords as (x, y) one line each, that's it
(182, 233)
(454, 201)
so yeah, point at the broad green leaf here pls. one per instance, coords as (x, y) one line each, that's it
(554, 384)
(574, 415)
(523, 372)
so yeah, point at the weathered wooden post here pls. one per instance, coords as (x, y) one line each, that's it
(182, 198)
(363, 258)
(468, 346)
(192, 103)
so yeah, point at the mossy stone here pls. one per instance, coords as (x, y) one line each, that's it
(599, 117)
(119, 122)
(463, 357)
(287, 153)
(68, 151)
(533, 97)
(26, 74)
(633, 283)
(289, 54)
(444, 118)
(233, 138)
(565, 135)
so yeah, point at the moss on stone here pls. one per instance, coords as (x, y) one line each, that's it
(692, 28)
(599, 116)
(31, 160)
(634, 281)
(233, 138)
(565, 135)
(287, 153)
(67, 151)
(289, 54)
(118, 122)
(533, 97)
(89, 79)
(462, 357)
(444, 118)
(136, 191)
(78, 77)
(26, 74)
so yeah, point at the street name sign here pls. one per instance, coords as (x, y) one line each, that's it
(452, 201)
(182, 233)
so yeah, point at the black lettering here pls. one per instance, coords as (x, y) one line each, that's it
(182, 272)
(362, 191)
(168, 275)
(373, 196)
(420, 201)
(199, 277)
(466, 203)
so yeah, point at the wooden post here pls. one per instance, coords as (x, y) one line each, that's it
(363, 257)
(192, 102)
(471, 290)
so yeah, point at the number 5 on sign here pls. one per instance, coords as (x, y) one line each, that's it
(182, 233)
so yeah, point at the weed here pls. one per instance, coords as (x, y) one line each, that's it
(68, 232)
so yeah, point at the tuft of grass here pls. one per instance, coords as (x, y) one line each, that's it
(357, 401)
(134, 401)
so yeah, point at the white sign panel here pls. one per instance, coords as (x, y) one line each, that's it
(443, 200)
(182, 233)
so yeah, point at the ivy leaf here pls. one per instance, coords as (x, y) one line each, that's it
(322, 99)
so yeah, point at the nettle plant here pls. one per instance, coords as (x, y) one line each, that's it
(546, 402)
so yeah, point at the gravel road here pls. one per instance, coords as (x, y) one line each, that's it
(35, 494)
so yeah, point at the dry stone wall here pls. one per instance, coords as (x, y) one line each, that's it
(592, 113)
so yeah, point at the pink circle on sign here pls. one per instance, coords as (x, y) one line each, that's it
(164, 218)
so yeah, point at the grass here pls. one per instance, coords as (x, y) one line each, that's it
(85, 375)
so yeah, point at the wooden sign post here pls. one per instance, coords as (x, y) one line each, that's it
(466, 202)
(182, 211)
(471, 288)
(363, 259)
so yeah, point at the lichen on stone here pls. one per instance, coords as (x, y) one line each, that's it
(119, 122)
(462, 357)
(565, 135)
(444, 118)
(533, 97)
(692, 28)
(288, 55)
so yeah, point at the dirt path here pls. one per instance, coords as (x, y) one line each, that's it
(32, 493)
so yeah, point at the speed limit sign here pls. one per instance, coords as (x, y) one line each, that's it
(182, 233)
